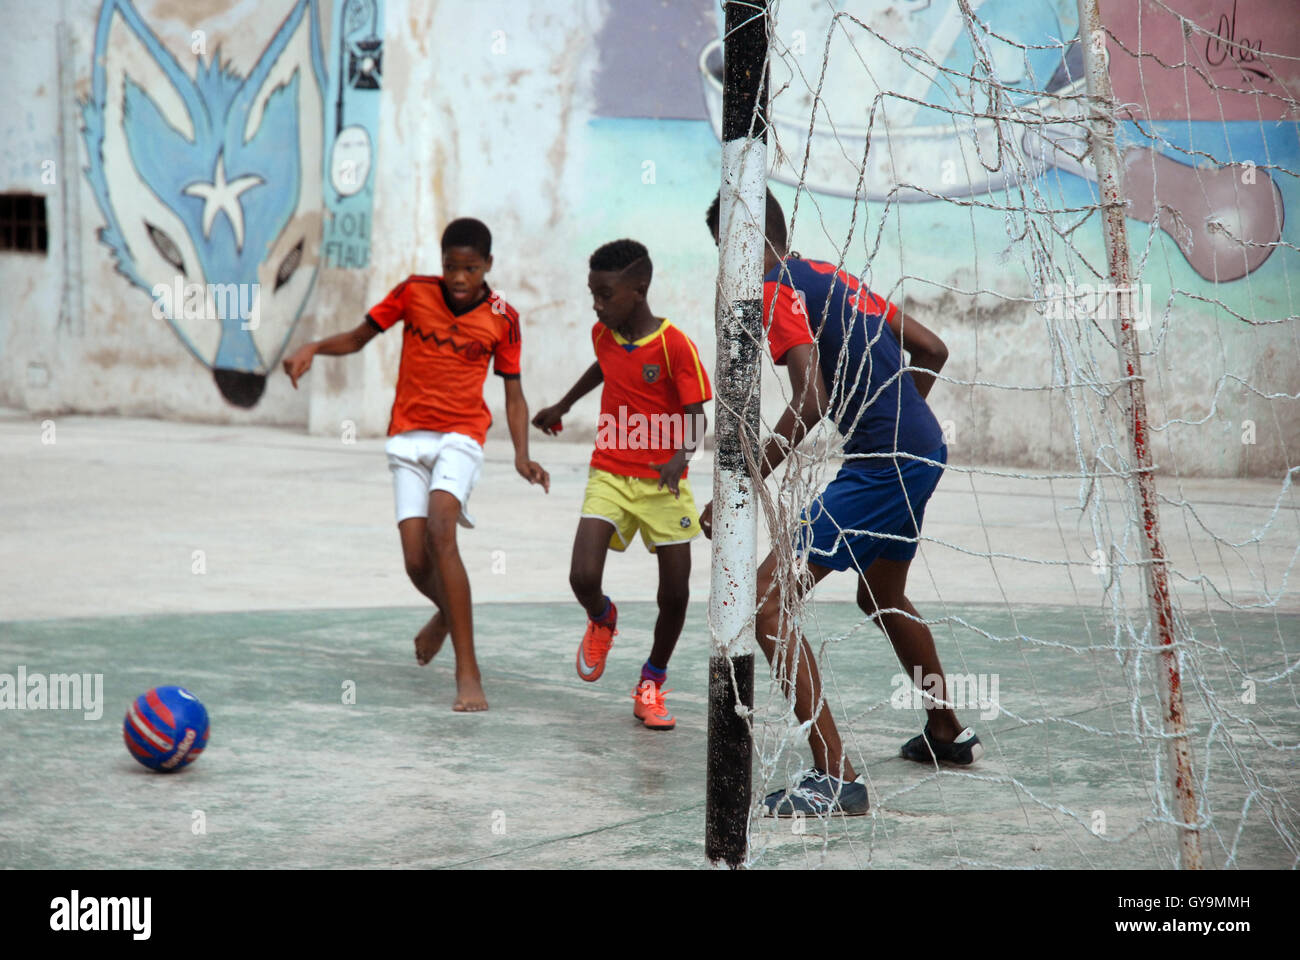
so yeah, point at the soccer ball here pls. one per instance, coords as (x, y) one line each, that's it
(166, 728)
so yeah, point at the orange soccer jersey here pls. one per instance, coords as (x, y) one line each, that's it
(648, 383)
(445, 357)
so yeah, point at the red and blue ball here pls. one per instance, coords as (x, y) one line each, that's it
(166, 729)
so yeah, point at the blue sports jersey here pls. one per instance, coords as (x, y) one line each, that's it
(875, 408)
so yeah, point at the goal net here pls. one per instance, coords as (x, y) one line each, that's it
(943, 153)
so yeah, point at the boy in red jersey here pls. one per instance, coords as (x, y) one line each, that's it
(651, 422)
(453, 325)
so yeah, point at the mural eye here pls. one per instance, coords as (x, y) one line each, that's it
(288, 265)
(166, 246)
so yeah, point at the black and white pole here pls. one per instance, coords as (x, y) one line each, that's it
(740, 330)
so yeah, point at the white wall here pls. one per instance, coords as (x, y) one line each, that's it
(31, 314)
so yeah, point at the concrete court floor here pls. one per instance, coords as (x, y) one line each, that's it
(303, 591)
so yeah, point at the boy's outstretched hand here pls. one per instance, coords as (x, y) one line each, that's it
(298, 363)
(548, 419)
(532, 471)
(706, 520)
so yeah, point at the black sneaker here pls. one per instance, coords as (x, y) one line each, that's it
(962, 752)
(817, 795)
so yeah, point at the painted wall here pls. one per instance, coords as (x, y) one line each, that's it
(33, 313)
(321, 155)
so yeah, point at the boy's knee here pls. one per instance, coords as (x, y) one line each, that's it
(766, 624)
(418, 569)
(583, 581)
(872, 601)
(440, 536)
(673, 603)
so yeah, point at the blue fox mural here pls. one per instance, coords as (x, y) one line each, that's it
(212, 181)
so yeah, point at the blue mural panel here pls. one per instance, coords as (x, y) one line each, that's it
(357, 56)
(210, 186)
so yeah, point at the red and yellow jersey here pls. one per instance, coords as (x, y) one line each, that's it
(648, 383)
(445, 356)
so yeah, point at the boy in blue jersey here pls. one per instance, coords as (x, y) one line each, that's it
(828, 331)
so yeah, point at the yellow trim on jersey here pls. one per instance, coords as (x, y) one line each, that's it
(623, 341)
(695, 355)
(662, 332)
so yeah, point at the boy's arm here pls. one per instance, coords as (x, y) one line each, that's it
(548, 419)
(807, 407)
(696, 425)
(299, 362)
(923, 346)
(517, 418)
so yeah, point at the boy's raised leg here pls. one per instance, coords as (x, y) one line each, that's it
(586, 571)
(452, 583)
(587, 567)
(424, 576)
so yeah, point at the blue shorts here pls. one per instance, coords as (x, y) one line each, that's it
(863, 513)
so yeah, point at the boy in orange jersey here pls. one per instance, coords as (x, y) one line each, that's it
(453, 325)
(651, 422)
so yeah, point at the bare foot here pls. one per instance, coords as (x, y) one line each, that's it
(469, 695)
(429, 640)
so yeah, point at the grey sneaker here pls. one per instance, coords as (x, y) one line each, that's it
(962, 752)
(819, 794)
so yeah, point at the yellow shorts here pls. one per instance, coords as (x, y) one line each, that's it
(634, 503)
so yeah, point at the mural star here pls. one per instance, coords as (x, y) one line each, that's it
(219, 196)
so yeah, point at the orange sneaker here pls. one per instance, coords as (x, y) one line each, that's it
(595, 646)
(649, 706)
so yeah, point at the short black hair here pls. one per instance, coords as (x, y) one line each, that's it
(468, 232)
(623, 255)
(774, 228)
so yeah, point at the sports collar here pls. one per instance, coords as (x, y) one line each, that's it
(442, 286)
(622, 341)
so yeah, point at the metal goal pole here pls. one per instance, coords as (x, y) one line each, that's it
(739, 330)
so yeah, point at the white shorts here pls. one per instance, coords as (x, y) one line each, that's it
(422, 461)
